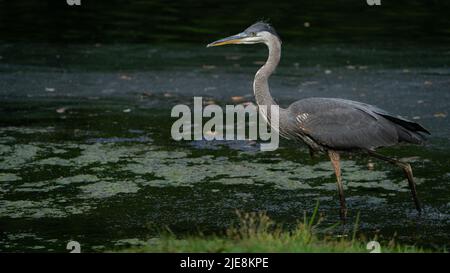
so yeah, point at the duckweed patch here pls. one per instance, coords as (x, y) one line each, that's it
(104, 169)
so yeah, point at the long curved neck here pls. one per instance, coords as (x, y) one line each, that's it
(261, 84)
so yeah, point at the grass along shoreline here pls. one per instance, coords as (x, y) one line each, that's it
(256, 232)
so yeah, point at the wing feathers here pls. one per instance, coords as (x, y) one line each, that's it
(342, 124)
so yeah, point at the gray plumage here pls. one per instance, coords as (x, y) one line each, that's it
(341, 124)
(329, 125)
(259, 27)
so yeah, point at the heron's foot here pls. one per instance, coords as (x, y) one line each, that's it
(412, 185)
(419, 209)
(343, 214)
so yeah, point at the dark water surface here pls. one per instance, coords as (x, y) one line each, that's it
(86, 152)
(406, 21)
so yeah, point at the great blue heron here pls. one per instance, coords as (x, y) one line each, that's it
(330, 125)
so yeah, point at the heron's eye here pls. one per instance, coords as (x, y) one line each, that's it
(253, 34)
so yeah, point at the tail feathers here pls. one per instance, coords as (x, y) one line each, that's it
(408, 131)
(405, 135)
(413, 127)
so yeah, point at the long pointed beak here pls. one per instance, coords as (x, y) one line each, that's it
(235, 39)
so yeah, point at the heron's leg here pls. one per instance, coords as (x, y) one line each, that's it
(408, 173)
(334, 157)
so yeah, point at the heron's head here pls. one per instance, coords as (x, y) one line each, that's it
(259, 32)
